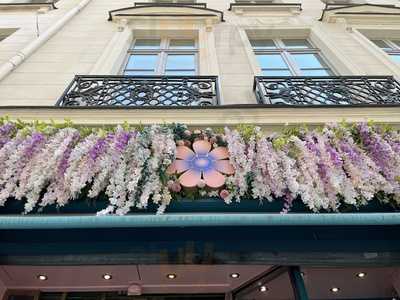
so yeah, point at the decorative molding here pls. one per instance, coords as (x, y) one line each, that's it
(270, 117)
(37, 5)
(361, 14)
(378, 53)
(249, 52)
(270, 9)
(338, 61)
(112, 58)
(156, 11)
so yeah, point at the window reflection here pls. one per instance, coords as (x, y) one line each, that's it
(162, 56)
(391, 47)
(289, 57)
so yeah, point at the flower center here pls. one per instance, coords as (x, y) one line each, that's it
(201, 162)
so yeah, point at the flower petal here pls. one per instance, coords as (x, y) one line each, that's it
(220, 153)
(171, 168)
(181, 166)
(224, 166)
(214, 178)
(190, 178)
(201, 147)
(184, 152)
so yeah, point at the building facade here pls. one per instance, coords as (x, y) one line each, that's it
(276, 70)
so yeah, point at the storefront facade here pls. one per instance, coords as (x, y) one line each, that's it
(199, 150)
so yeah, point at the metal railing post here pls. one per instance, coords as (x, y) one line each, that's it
(296, 278)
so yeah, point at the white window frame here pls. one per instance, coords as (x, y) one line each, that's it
(163, 53)
(286, 52)
(394, 48)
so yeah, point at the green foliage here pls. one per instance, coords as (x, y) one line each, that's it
(246, 131)
(295, 130)
(280, 142)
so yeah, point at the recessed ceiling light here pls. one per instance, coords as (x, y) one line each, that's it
(361, 275)
(107, 276)
(235, 275)
(263, 289)
(335, 290)
(171, 276)
(42, 277)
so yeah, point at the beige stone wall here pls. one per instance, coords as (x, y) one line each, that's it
(89, 44)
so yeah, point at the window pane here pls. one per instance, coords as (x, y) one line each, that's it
(180, 72)
(321, 72)
(182, 44)
(397, 42)
(296, 43)
(139, 72)
(396, 58)
(307, 61)
(181, 62)
(271, 61)
(276, 73)
(381, 44)
(142, 62)
(147, 44)
(263, 44)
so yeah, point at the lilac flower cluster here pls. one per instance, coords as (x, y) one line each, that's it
(324, 168)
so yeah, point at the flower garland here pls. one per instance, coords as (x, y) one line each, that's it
(54, 164)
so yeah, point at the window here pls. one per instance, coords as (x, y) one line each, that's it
(6, 32)
(289, 57)
(162, 57)
(391, 47)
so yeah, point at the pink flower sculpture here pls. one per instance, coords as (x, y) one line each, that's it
(201, 164)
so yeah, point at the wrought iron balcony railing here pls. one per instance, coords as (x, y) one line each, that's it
(141, 91)
(343, 90)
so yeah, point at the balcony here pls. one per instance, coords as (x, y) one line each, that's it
(343, 90)
(133, 91)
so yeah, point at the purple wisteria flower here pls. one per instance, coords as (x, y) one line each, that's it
(323, 168)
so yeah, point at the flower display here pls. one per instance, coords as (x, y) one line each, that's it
(202, 166)
(327, 168)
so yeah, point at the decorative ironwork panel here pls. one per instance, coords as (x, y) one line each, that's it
(345, 90)
(141, 91)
